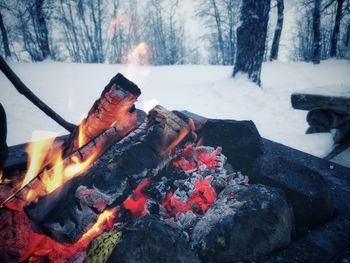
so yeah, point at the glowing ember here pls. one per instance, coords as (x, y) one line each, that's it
(200, 199)
(137, 201)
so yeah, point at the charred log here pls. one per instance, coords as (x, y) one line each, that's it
(116, 100)
(102, 142)
(135, 158)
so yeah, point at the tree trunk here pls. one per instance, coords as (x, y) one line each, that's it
(43, 32)
(218, 26)
(336, 29)
(316, 24)
(278, 30)
(251, 37)
(5, 40)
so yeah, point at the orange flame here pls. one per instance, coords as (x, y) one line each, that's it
(63, 172)
(37, 151)
(104, 221)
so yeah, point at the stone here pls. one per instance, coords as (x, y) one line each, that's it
(305, 189)
(246, 222)
(240, 140)
(151, 240)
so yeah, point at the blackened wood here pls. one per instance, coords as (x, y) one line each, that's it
(24, 90)
(97, 146)
(116, 100)
(138, 156)
(304, 101)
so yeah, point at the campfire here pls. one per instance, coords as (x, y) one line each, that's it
(126, 186)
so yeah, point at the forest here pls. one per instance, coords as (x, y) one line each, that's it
(232, 32)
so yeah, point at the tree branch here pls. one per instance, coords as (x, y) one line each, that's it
(22, 88)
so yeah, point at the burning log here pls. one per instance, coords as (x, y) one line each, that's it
(111, 118)
(136, 158)
(46, 181)
(116, 100)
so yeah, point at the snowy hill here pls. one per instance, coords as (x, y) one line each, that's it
(70, 89)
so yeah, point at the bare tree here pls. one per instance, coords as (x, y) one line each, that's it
(42, 33)
(5, 40)
(251, 37)
(316, 24)
(336, 28)
(278, 31)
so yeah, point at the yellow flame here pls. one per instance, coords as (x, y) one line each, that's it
(37, 151)
(103, 218)
(60, 173)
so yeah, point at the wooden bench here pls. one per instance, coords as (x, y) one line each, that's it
(329, 111)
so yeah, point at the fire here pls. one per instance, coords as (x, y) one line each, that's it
(37, 151)
(104, 222)
(61, 173)
(137, 201)
(200, 199)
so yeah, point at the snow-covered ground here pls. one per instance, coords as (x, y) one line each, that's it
(70, 89)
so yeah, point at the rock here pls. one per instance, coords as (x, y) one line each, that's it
(152, 240)
(245, 223)
(240, 140)
(305, 189)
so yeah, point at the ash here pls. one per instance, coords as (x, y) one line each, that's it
(187, 188)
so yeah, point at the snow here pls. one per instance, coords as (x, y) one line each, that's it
(70, 89)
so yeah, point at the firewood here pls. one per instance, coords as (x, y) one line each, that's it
(140, 155)
(98, 145)
(116, 100)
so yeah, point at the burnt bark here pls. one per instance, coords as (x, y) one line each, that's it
(336, 29)
(137, 157)
(316, 25)
(278, 30)
(42, 30)
(5, 40)
(251, 37)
